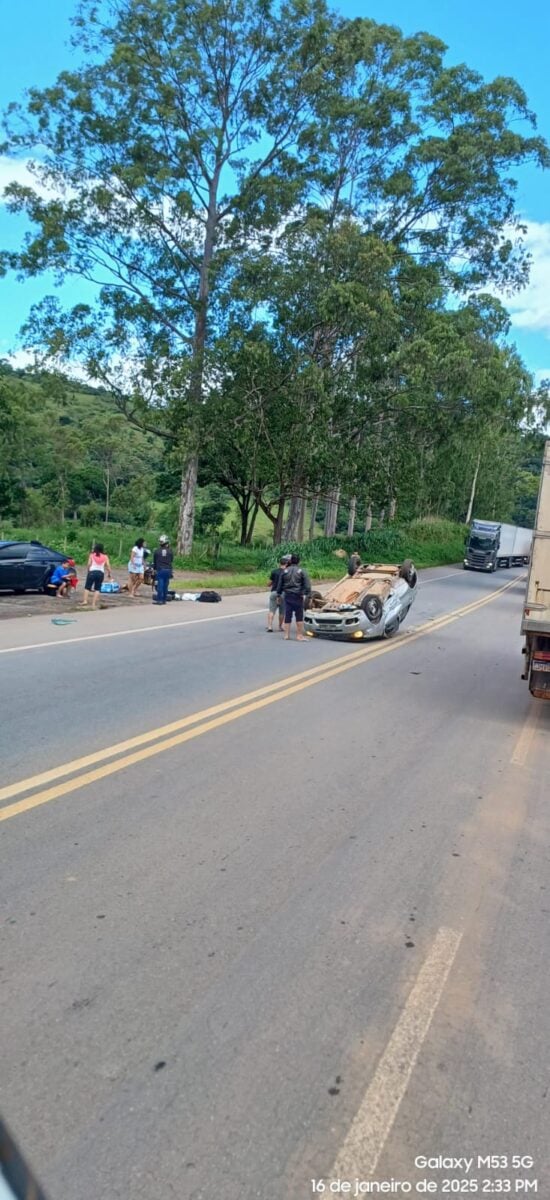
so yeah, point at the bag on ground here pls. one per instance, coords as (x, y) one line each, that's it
(209, 597)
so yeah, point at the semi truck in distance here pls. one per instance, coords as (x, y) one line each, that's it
(490, 544)
(536, 609)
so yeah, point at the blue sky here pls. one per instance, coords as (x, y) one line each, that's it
(495, 38)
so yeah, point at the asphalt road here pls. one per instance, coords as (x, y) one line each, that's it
(275, 913)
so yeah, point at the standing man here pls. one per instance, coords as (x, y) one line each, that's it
(162, 562)
(294, 586)
(275, 600)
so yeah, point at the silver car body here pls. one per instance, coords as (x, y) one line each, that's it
(333, 616)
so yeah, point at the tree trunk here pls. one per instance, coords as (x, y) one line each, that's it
(382, 515)
(251, 524)
(186, 521)
(190, 470)
(335, 511)
(293, 518)
(278, 522)
(368, 519)
(331, 514)
(392, 510)
(243, 504)
(352, 515)
(473, 491)
(107, 494)
(243, 513)
(313, 517)
(329, 505)
(302, 521)
(62, 497)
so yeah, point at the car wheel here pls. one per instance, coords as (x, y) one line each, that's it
(19, 591)
(316, 595)
(407, 571)
(372, 608)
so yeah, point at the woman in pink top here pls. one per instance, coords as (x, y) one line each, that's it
(98, 565)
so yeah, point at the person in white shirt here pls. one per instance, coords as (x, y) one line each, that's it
(135, 567)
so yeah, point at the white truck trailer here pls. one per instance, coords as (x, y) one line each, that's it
(536, 611)
(490, 544)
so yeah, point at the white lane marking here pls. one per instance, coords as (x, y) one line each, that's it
(361, 1150)
(94, 637)
(525, 739)
(438, 577)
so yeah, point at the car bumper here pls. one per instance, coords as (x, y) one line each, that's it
(342, 627)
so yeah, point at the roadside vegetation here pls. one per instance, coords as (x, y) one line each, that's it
(293, 257)
(428, 543)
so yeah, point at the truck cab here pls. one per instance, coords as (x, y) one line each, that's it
(482, 546)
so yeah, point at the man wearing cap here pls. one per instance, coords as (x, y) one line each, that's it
(275, 600)
(162, 563)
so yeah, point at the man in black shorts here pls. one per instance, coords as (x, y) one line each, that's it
(275, 601)
(294, 587)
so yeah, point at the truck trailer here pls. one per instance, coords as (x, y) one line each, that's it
(490, 544)
(536, 610)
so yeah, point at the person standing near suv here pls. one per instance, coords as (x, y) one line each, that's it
(294, 587)
(98, 567)
(275, 600)
(162, 563)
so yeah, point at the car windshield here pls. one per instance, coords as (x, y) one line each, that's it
(480, 541)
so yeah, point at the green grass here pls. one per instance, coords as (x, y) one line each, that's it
(220, 582)
(430, 543)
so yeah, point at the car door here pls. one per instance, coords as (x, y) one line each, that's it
(12, 558)
(39, 563)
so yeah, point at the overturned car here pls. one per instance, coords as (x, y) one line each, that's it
(372, 603)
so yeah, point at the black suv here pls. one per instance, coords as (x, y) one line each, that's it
(27, 566)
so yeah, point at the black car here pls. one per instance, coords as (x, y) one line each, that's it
(27, 566)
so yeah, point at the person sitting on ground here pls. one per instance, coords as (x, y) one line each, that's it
(276, 601)
(60, 579)
(294, 587)
(98, 565)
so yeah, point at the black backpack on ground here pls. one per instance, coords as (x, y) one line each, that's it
(210, 597)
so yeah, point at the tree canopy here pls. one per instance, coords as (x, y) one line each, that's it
(292, 221)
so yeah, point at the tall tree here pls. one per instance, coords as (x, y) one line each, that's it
(201, 136)
(171, 148)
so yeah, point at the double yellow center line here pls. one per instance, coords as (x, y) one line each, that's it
(166, 737)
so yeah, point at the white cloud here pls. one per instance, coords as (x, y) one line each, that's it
(19, 359)
(542, 375)
(19, 170)
(22, 360)
(530, 308)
